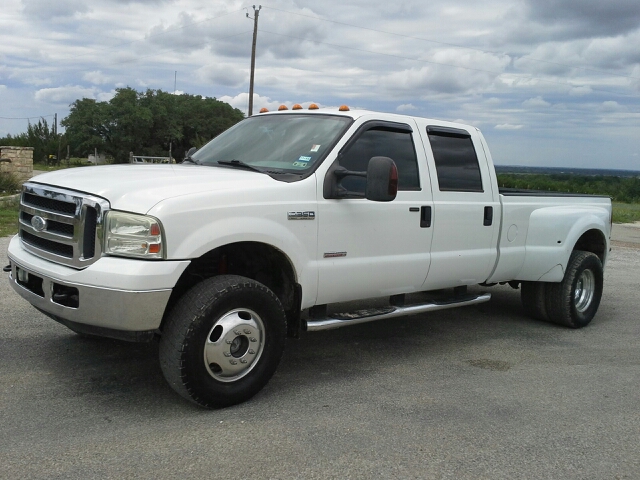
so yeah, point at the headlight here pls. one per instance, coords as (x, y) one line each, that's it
(131, 235)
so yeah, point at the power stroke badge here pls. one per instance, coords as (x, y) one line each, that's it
(301, 215)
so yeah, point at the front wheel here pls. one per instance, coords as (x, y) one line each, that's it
(574, 301)
(222, 341)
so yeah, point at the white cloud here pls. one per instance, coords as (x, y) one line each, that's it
(508, 126)
(580, 91)
(105, 96)
(47, 9)
(405, 107)
(96, 77)
(536, 102)
(66, 95)
(37, 81)
(611, 107)
(241, 102)
(225, 74)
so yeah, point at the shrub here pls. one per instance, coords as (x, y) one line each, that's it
(8, 184)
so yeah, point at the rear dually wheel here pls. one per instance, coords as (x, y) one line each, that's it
(575, 301)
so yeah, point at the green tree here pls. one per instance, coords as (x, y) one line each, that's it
(42, 138)
(146, 123)
(88, 128)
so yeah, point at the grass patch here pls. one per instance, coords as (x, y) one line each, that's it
(9, 218)
(73, 162)
(626, 212)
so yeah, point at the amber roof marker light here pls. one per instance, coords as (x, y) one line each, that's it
(282, 107)
(297, 106)
(264, 110)
(313, 106)
(343, 108)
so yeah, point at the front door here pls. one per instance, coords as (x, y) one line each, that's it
(370, 249)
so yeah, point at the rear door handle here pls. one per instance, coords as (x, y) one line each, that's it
(488, 216)
(425, 217)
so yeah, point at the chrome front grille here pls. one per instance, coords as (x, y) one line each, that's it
(61, 225)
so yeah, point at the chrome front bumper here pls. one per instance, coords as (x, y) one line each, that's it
(106, 307)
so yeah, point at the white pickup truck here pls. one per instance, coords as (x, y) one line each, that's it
(254, 235)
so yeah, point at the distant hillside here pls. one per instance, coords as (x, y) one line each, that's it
(566, 171)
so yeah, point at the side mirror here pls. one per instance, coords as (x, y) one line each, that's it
(191, 151)
(382, 180)
(381, 177)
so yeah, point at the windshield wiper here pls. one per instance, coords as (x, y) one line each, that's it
(240, 164)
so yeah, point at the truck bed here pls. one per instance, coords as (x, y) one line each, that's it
(516, 192)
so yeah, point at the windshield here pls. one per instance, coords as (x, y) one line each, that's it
(292, 143)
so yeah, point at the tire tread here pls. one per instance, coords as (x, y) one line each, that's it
(192, 307)
(559, 296)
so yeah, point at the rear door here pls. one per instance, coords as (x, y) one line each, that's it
(466, 217)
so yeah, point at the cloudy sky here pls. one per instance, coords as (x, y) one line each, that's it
(549, 82)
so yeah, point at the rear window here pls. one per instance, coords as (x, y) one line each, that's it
(456, 160)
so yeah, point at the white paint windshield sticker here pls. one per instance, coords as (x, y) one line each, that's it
(304, 159)
(315, 148)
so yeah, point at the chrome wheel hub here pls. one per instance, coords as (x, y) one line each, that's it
(234, 345)
(585, 291)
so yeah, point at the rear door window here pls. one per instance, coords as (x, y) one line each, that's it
(456, 160)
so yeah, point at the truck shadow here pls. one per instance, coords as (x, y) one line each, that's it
(112, 372)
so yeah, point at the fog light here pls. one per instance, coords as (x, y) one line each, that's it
(22, 275)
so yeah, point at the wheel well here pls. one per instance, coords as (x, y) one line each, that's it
(593, 241)
(258, 261)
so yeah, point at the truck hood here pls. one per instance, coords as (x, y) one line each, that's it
(137, 188)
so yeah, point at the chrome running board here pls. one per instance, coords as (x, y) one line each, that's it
(337, 320)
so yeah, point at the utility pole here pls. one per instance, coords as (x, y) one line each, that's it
(55, 132)
(256, 12)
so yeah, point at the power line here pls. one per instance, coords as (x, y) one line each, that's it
(451, 44)
(27, 118)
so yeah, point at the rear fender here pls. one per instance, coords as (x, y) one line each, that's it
(552, 235)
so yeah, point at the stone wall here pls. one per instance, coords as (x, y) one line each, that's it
(18, 161)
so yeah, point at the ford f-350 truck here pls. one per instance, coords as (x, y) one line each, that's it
(254, 235)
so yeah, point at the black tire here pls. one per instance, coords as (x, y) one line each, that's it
(575, 301)
(222, 341)
(532, 295)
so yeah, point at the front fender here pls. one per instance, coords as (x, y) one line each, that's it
(195, 225)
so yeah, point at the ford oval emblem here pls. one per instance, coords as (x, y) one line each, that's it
(38, 223)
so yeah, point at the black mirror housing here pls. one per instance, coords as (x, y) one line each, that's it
(382, 180)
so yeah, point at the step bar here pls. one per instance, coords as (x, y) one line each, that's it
(338, 320)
